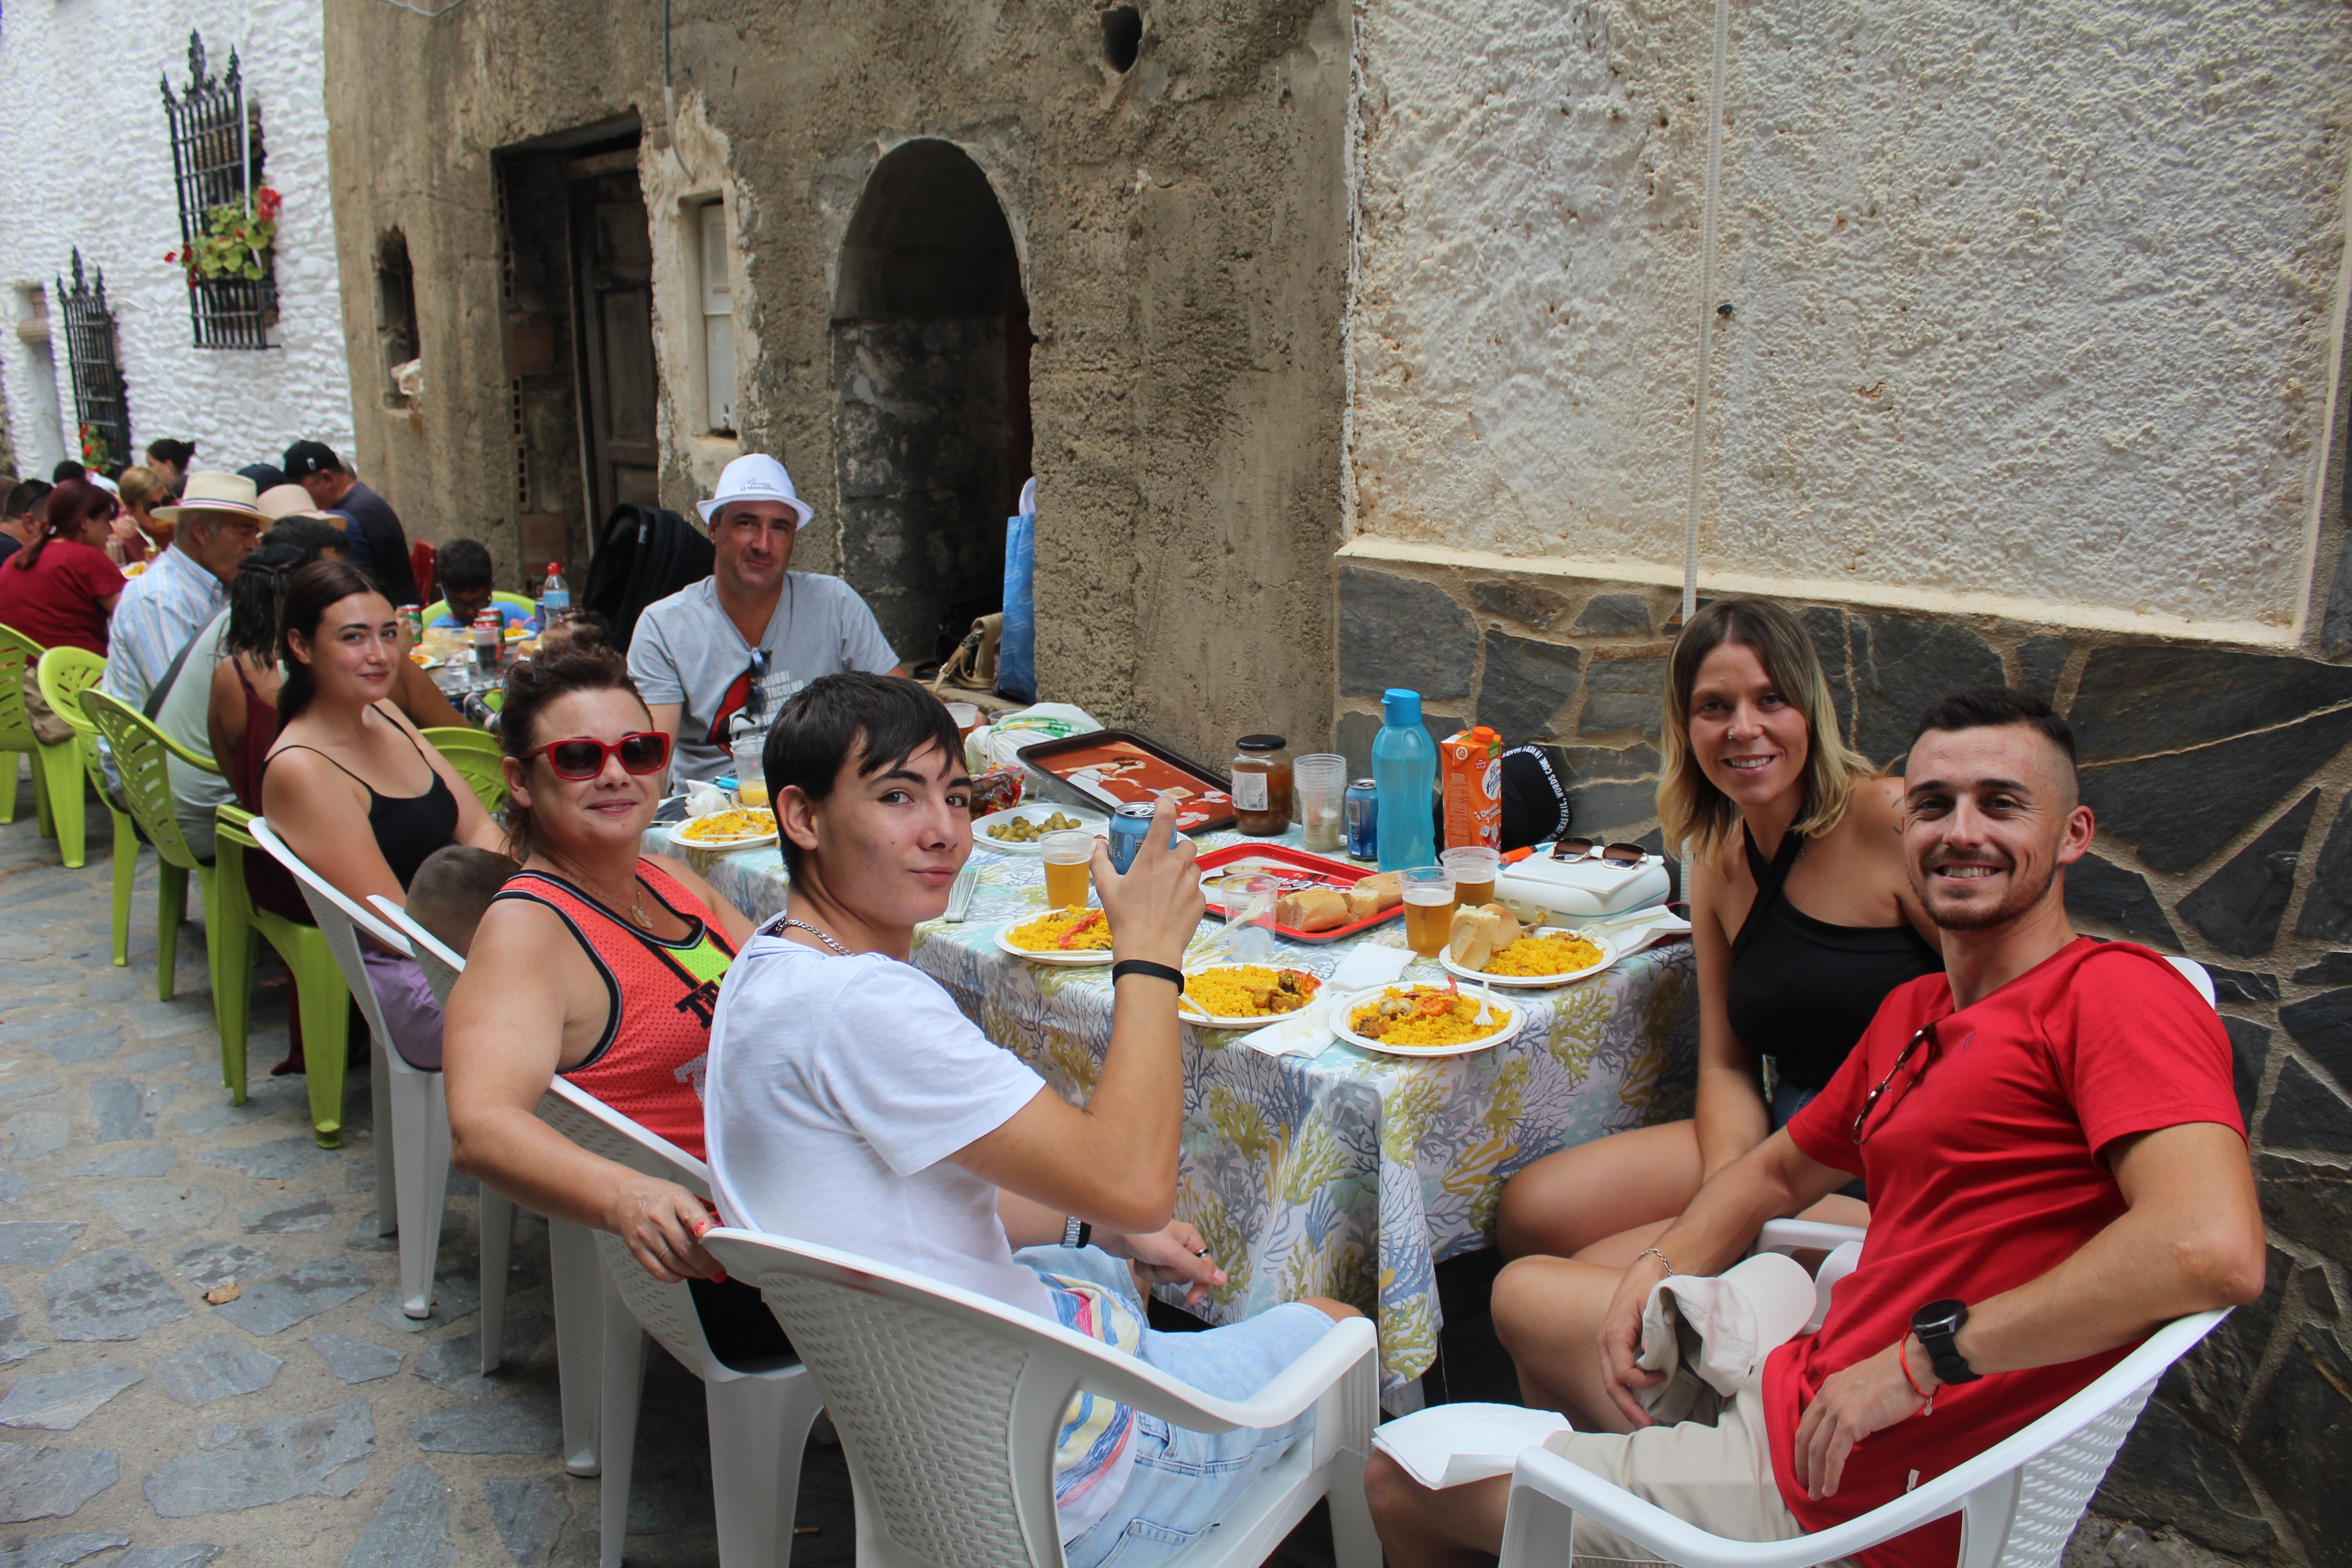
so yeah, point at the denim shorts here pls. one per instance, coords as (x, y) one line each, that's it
(1183, 1481)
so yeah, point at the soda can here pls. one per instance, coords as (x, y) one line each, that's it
(1363, 821)
(489, 640)
(1129, 825)
(413, 617)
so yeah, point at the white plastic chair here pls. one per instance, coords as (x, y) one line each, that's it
(948, 1402)
(760, 1417)
(2018, 1500)
(578, 1284)
(413, 1163)
(1843, 1242)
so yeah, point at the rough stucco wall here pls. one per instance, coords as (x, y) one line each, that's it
(1182, 231)
(99, 176)
(2033, 301)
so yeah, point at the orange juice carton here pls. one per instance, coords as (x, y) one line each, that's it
(1470, 776)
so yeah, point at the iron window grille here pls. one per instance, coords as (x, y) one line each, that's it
(101, 402)
(216, 161)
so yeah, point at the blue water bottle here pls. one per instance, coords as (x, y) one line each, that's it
(1404, 770)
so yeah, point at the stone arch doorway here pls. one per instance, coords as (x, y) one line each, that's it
(930, 375)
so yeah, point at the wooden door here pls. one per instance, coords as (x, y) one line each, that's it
(613, 295)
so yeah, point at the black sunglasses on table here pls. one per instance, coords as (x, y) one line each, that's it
(1623, 857)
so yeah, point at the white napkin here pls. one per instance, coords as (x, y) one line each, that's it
(1633, 934)
(1452, 1445)
(1368, 965)
(1738, 1317)
(703, 798)
(1306, 1033)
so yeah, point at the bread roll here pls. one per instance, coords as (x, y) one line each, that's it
(1507, 926)
(1312, 909)
(1376, 894)
(1472, 941)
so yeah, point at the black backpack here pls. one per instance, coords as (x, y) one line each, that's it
(641, 554)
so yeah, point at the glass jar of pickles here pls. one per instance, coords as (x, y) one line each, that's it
(1261, 785)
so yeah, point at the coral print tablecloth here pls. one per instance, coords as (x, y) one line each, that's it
(1350, 1174)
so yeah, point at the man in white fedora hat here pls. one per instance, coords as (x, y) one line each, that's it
(216, 524)
(715, 660)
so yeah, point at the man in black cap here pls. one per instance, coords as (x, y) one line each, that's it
(375, 527)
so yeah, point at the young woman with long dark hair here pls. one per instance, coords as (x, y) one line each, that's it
(61, 589)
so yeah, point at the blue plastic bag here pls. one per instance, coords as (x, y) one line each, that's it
(1016, 647)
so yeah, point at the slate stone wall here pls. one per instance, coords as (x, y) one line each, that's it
(2219, 781)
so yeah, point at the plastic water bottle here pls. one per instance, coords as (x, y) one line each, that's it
(554, 598)
(1404, 771)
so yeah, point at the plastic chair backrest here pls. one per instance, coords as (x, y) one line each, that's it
(65, 673)
(441, 966)
(18, 653)
(479, 759)
(2020, 1500)
(139, 751)
(340, 921)
(948, 1402)
(2195, 973)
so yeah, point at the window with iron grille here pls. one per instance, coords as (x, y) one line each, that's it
(102, 404)
(217, 159)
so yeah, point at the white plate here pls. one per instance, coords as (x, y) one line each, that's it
(1033, 811)
(1075, 959)
(1345, 1009)
(1186, 1011)
(1609, 955)
(678, 836)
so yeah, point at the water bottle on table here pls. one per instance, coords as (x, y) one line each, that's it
(1404, 770)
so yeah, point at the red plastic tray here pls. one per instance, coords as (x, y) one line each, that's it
(1298, 869)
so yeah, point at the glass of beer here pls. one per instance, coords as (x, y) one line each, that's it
(1474, 870)
(1428, 909)
(1069, 860)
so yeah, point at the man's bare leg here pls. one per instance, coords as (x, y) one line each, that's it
(1459, 1527)
(1547, 1313)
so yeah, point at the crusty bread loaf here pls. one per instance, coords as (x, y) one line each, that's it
(1507, 926)
(1472, 941)
(1376, 894)
(1312, 909)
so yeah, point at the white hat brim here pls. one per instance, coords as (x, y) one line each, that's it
(801, 508)
(174, 513)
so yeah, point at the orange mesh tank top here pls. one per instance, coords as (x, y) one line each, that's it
(649, 1062)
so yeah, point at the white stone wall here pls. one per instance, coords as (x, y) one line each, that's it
(2034, 301)
(86, 160)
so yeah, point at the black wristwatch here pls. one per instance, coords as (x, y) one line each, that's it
(1935, 1323)
(1077, 1232)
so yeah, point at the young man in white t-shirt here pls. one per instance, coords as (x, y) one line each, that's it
(849, 1102)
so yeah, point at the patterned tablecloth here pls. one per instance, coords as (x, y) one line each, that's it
(1350, 1174)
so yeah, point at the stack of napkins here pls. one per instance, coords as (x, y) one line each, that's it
(1453, 1444)
(1308, 1031)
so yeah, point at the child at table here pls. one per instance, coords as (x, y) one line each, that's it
(850, 1103)
(453, 888)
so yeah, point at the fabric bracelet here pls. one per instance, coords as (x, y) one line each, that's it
(1903, 1360)
(1127, 966)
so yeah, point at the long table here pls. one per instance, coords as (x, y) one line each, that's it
(1350, 1174)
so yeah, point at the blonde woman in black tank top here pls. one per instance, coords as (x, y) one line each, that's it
(1803, 918)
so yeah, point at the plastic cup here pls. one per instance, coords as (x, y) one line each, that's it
(1319, 783)
(1069, 860)
(1428, 909)
(966, 716)
(1473, 869)
(1249, 915)
(751, 772)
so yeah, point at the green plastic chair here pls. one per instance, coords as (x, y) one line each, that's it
(19, 652)
(318, 981)
(479, 759)
(65, 673)
(140, 752)
(440, 607)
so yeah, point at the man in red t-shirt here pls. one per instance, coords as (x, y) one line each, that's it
(2056, 1165)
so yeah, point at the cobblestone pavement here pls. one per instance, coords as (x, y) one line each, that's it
(305, 1422)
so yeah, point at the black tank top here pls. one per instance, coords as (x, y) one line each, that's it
(1802, 990)
(407, 828)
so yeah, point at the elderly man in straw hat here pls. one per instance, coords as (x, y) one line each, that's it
(216, 525)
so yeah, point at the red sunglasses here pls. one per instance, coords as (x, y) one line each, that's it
(644, 752)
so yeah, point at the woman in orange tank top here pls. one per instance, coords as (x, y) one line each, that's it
(594, 962)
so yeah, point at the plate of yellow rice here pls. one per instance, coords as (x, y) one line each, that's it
(1549, 955)
(736, 828)
(1244, 995)
(1040, 940)
(1422, 1021)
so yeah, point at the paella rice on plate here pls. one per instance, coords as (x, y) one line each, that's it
(1532, 955)
(1063, 931)
(751, 821)
(1428, 1016)
(1248, 991)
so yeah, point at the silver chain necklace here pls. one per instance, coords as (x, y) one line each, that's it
(821, 936)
